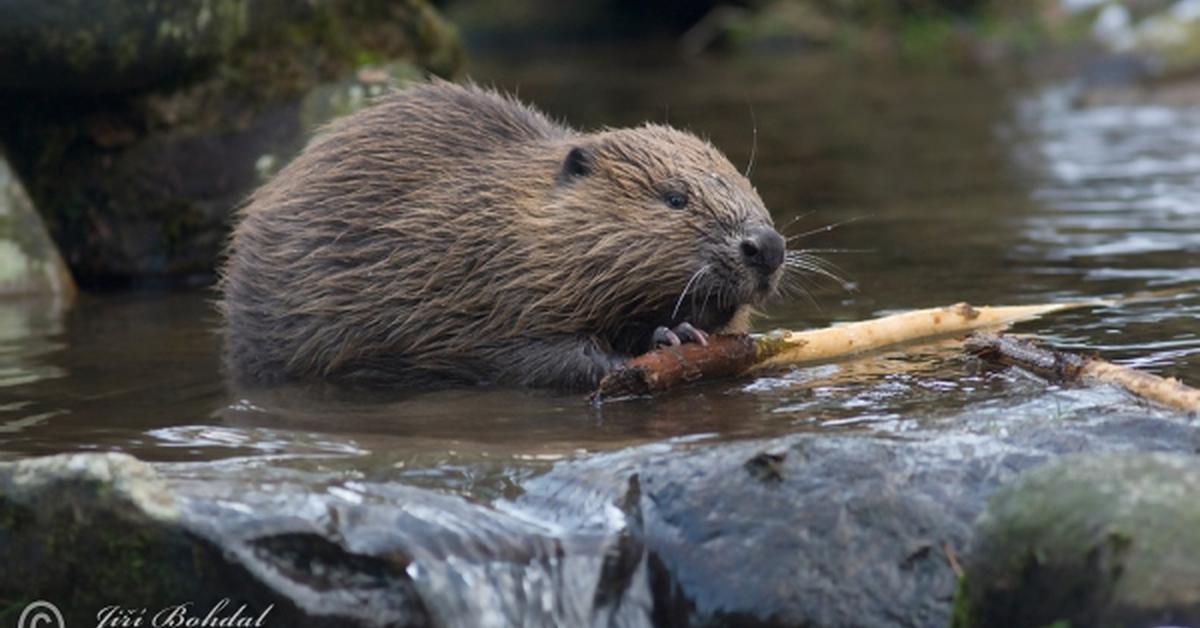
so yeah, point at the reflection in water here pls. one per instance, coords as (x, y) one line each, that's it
(959, 188)
(29, 329)
(29, 335)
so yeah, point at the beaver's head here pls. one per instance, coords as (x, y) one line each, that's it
(673, 231)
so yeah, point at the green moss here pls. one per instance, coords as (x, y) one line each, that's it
(333, 40)
(89, 533)
(11, 608)
(1087, 538)
(927, 40)
(79, 49)
(960, 612)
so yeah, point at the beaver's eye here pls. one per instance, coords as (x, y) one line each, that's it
(676, 200)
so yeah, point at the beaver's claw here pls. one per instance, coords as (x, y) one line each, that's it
(683, 332)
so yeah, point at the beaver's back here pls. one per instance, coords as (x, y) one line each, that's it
(329, 271)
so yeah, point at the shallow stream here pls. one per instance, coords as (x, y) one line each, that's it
(948, 185)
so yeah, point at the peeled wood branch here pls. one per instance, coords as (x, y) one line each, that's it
(1059, 366)
(734, 355)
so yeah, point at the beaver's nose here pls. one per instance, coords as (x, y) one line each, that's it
(763, 250)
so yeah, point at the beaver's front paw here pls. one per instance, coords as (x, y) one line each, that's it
(683, 332)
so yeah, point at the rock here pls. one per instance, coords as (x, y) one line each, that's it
(815, 530)
(83, 46)
(29, 261)
(1090, 540)
(112, 46)
(141, 186)
(818, 530)
(87, 531)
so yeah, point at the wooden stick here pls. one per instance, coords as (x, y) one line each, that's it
(734, 355)
(833, 343)
(725, 356)
(1060, 366)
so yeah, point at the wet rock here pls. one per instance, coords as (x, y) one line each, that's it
(112, 46)
(1093, 540)
(141, 185)
(85, 532)
(818, 530)
(29, 261)
(815, 530)
(88, 531)
(83, 46)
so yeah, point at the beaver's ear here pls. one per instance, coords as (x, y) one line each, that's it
(578, 163)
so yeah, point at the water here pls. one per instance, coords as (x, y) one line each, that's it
(957, 186)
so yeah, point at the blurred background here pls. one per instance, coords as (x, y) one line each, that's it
(135, 128)
(993, 151)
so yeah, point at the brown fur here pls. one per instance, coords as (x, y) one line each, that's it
(449, 233)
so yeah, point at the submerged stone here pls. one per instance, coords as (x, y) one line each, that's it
(29, 261)
(1090, 540)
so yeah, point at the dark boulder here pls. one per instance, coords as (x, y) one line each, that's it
(138, 180)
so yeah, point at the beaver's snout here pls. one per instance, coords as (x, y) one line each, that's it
(763, 250)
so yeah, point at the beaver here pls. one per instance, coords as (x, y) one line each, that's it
(451, 234)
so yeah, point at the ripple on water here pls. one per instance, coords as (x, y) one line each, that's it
(1116, 181)
(1117, 189)
(964, 198)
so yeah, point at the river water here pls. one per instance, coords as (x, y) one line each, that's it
(952, 185)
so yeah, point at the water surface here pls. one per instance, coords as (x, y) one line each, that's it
(952, 186)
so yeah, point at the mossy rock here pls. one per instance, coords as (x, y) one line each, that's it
(89, 531)
(114, 46)
(141, 187)
(106, 46)
(1092, 540)
(105, 524)
(29, 261)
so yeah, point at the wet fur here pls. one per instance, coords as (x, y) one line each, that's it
(449, 234)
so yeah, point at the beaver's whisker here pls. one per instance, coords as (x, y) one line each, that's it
(791, 223)
(809, 266)
(794, 284)
(828, 227)
(813, 264)
(799, 268)
(696, 313)
(805, 255)
(807, 251)
(753, 142)
(688, 286)
(819, 263)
